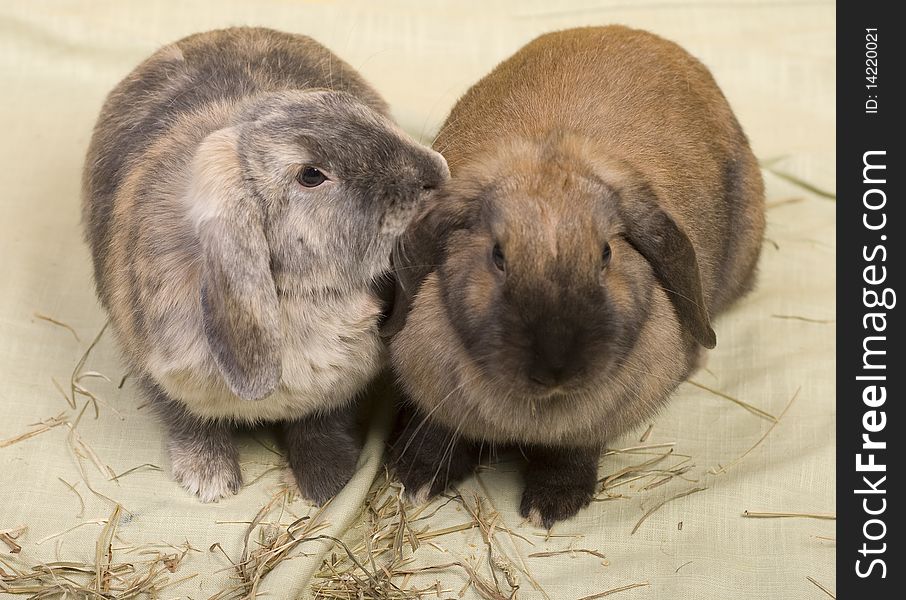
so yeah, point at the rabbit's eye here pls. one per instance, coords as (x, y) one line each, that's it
(605, 256)
(499, 260)
(311, 177)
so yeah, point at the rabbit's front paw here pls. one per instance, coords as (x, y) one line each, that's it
(323, 452)
(208, 474)
(544, 505)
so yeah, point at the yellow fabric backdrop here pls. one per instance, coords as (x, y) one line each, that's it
(775, 62)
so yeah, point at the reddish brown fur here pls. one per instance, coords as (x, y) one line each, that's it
(580, 80)
(582, 138)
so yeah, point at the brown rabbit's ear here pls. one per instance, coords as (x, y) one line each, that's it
(668, 250)
(420, 251)
(238, 296)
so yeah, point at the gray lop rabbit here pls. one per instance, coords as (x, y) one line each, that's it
(241, 196)
(603, 206)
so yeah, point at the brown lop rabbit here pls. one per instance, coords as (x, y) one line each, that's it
(243, 191)
(603, 206)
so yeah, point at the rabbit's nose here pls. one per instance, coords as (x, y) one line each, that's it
(437, 174)
(550, 371)
(546, 378)
(430, 173)
(557, 357)
(431, 183)
(443, 166)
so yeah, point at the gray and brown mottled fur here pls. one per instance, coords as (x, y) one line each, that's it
(516, 324)
(239, 295)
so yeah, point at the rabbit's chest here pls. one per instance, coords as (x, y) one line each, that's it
(330, 348)
(331, 351)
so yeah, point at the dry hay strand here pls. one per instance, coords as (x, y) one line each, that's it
(657, 506)
(720, 469)
(612, 480)
(106, 578)
(616, 590)
(783, 202)
(788, 515)
(644, 472)
(58, 323)
(147, 466)
(749, 407)
(9, 537)
(382, 566)
(78, 525)
(488, 522)
(822, 193)
(72, 488)
(367, 569)
(523, 567)
(276, 543)
(688, 562)
(642, 449)
(804, 319)
(80, 450)
(75, 386)
(569, 552)
(36, 429)
(821, 587)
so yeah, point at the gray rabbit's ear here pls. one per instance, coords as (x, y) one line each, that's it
(670, 253)
(238, 297)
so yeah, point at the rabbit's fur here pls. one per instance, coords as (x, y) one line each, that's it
(238, 294)
(522, 329)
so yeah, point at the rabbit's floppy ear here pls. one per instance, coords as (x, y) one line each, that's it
(668, 250)
(238, 297)
(420, 251)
